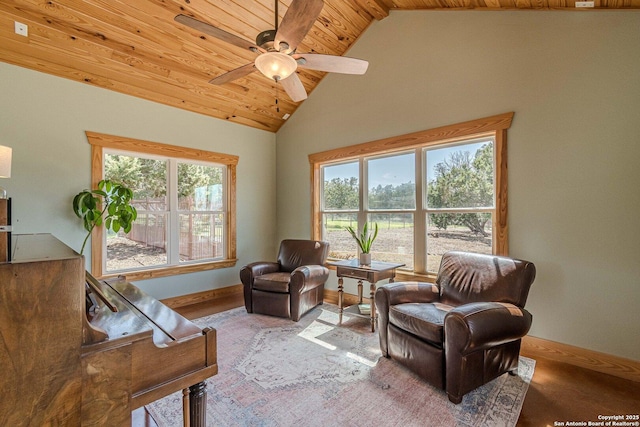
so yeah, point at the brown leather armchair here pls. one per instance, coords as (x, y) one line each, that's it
(464, 330)
(291, 286)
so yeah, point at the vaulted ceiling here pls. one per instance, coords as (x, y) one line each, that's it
(137, 48)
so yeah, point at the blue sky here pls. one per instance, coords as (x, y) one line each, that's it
(398, 169)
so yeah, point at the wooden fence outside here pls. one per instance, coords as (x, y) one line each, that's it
(201, 237)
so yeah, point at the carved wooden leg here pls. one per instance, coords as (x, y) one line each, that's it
(340, 298)
(198, 404)
(373, 306)
(185, 408)
(359, 291)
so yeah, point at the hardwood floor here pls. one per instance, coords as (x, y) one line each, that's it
(558, 393)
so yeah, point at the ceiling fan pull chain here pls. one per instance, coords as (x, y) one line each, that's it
(277, 106)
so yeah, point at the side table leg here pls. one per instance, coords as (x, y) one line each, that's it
(373, 306)
(359, 291)
(340, 298)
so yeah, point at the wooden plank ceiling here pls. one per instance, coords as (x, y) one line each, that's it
(135, 46)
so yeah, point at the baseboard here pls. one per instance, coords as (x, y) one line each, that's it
(212, 295)
(532, 347)
(205, 296)
(601, 362)
(331, 297)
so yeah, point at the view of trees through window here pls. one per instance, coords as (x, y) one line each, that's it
(454, 212)
(460, 184)
(194, 228)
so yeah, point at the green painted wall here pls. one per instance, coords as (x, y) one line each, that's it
(43, 118)
(573, 81)
(574, 149)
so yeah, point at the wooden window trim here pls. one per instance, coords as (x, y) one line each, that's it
(100, 141)
(494, 126)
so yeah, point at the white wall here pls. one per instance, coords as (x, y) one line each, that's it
(43, 118)
(573, 81)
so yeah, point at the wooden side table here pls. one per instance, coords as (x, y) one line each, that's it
(371, 273)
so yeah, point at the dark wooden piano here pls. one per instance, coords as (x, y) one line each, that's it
(76, 351)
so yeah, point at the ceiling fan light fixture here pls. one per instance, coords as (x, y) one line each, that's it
(276, 65)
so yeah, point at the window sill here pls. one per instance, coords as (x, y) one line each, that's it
(171, 271)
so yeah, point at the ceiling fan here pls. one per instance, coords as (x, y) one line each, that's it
(277, 57)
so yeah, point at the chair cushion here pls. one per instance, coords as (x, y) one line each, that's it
(273, 282)
(424, 320)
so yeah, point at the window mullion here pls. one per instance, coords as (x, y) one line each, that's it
(225, 210)
(363, 195)
(420, 218)
(173, 252)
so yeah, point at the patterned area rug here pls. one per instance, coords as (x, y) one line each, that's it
(275, 372)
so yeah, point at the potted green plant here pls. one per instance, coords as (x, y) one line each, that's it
(108, 204)
(365, 241)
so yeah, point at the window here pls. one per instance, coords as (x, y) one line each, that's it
(428, 195)
(460, 200)
(184, 198)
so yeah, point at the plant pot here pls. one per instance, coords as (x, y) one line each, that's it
(365, 259)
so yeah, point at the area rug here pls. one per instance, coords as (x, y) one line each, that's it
(276, 372)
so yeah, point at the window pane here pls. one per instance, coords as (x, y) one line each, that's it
(201, 236)
(147, 178)
(460, 176)
(341, 244)
(392, 183)
(144, 246)
(469, 232)
(395, 238)
(340, 190)
(200, 187)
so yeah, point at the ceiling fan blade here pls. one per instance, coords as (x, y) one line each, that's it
(297, 22)
(331, 63)
(233, 74)
(216, 32)
(294, 88)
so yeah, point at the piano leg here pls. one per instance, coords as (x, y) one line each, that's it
(185, 408)
(198, 404)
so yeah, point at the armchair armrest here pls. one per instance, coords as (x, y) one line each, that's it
(255, 269)
(249, 272)
(308, 276)
(481, 325)
(404, 292)
(399, 293)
